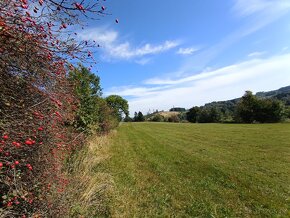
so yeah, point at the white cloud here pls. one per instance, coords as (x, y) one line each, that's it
(114, 49)
(256, 54)
(263, 13)
(244, 8)
(101, 36)
(221, 84)
(187, 51)
(126, 51)
(133, 91)
(143, 61)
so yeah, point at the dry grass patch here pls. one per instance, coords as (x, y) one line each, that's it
(89, 190)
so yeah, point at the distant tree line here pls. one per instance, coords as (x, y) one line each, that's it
(248, 109)
(265, 107)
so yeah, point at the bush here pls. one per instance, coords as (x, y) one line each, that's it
(173, 119)
(157, 118)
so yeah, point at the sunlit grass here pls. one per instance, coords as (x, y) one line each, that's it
(208, 170)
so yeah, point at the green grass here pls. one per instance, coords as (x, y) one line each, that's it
(200, 170)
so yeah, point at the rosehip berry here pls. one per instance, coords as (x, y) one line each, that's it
(28, 142)
(29, 166)
(5, 137)
(16, 162)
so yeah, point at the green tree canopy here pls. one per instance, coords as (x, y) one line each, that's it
(192, 114)
(118, 104)
(88, 90)
(251, 108)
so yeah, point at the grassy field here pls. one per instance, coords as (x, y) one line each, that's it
(204, 170)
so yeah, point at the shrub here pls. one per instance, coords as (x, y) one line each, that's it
(157, 118)
(37, 102)
(173, 119)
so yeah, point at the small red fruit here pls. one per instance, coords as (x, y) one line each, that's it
(5, 137)
(16, 162)
(16, 144)
(28, 142)
(29, 166)
(1, 165)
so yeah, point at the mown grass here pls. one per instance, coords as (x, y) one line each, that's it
(199, 170)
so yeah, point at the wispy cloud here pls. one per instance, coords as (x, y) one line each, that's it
(126, 51)
(220, 84)
(143, 61)
(134, 91)
(187, 51)
(244, 8)
(257, 54)
(114, 48)
(258, 14)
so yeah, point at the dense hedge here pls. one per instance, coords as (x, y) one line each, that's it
(40, 105)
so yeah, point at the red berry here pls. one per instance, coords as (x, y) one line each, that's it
(40, 128)
(28, 142)
(5, 137)
(16, 144)
(29, 166)
(16, 162)
(1, 165)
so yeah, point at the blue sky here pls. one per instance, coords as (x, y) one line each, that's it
(190, 52)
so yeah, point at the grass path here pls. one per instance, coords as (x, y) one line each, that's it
(209, 170)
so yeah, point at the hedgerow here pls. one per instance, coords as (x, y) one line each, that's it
(38, 104)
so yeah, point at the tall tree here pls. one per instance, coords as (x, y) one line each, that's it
(88, 90)
(251, 108)
(140, 117)
(119, 105)
(192, 114)
(247, 107)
